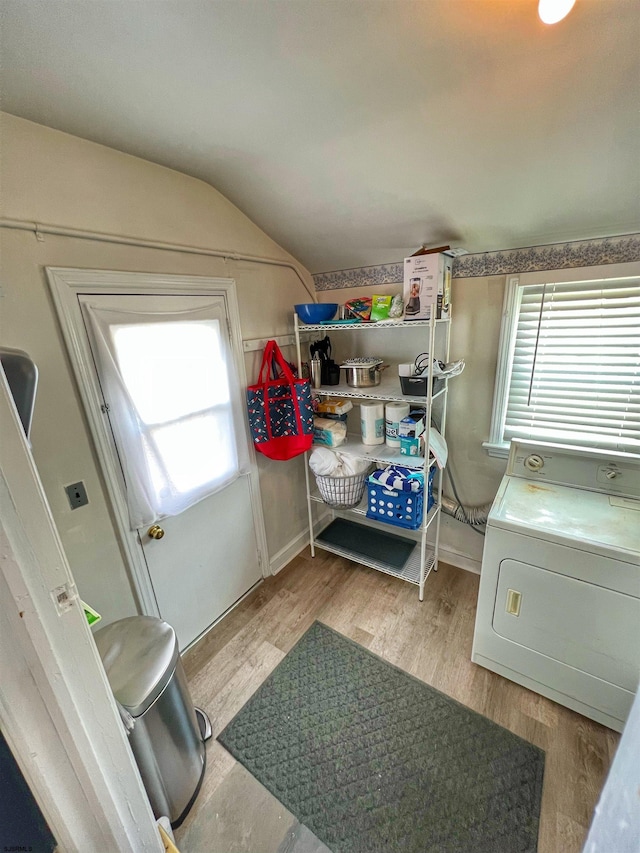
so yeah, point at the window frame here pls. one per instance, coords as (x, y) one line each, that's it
(496, 444)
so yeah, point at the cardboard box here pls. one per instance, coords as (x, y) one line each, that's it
(412, 426)
(427, 286)
(412, 446)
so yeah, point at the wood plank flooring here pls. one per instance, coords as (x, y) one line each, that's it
(430, 639)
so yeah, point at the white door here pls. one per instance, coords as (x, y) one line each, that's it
(167, 352)
(205, 562)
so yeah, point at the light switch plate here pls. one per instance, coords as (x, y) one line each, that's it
(77, 495)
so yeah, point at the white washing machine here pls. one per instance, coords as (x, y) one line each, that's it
(559, 601)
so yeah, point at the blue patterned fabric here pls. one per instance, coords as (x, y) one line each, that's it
(282, 412)
(399, 478)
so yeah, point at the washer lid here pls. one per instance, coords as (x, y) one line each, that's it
(577, 517)
(139, 655)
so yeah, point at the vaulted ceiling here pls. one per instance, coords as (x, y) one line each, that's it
(353, 131)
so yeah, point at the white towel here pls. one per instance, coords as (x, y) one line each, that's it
(327, 463)
(399, 479)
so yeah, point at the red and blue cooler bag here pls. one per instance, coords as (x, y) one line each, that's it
(280, 412)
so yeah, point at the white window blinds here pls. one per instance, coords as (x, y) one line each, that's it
(575, 371)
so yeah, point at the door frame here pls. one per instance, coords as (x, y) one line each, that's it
(66, 284)
(57, 711)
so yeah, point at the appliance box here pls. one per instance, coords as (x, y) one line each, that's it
(412, 426)
(427, 283)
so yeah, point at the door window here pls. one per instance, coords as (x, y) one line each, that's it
(166, 379)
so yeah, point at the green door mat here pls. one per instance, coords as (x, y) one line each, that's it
(369, 542)
(374, 761)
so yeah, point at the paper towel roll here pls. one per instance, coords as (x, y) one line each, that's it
(372, 422)
(394, 413)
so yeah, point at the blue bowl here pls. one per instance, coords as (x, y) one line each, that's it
(313, 312)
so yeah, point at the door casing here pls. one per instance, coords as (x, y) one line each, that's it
(65, 285)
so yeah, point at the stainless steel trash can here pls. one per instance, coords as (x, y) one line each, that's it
(142, 662)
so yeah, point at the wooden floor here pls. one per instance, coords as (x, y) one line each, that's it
(430, 639)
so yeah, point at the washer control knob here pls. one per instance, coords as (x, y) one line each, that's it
(534, 462)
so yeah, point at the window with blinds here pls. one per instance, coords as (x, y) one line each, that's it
(575, 364)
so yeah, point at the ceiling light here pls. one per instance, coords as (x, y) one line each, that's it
(552, 11)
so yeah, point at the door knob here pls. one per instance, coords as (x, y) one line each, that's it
(155, 531)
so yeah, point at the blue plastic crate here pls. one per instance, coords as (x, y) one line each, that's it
(403, 509)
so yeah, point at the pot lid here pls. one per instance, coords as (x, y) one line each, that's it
(139, 655)
(370, 361)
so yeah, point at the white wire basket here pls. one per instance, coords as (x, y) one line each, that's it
(342, 492)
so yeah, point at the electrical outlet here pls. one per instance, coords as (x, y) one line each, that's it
(77, 495)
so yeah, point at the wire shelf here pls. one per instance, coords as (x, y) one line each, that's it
(388, 389)
(379, 327)
(410, 572)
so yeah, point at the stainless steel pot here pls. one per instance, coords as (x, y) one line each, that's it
(364, 375)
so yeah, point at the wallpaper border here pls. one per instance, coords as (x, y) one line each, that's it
(580, 253)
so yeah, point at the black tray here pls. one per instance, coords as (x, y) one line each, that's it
(368, 541)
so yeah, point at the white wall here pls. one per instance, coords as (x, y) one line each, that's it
(475, 333)
(57, 179)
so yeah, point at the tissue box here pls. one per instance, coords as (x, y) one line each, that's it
(427, 286)
(412, 446)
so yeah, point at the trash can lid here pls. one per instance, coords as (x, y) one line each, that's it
(139, 654)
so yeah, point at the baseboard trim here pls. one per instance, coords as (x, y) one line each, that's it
(290, 550)
(284, 556)
(460, 561)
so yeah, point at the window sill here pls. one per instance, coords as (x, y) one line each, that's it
(499, 450)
